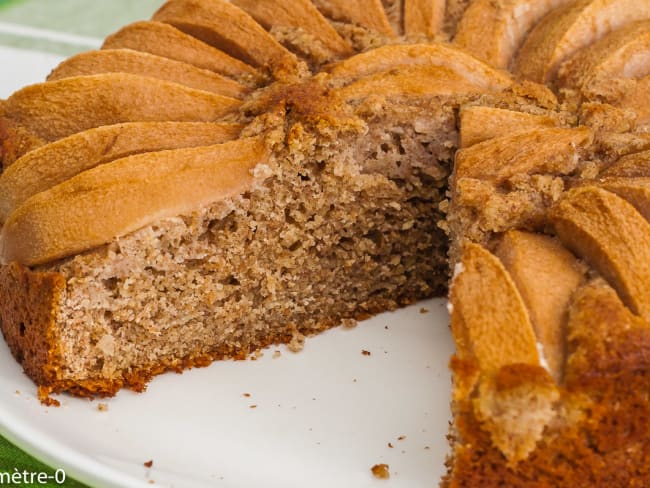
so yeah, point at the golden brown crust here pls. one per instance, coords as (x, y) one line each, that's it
(405, 55)
(28, 319)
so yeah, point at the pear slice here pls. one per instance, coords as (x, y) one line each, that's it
(424, 17)
(387, 57)
(60, 108)
(228, 28)
(479, 123)
(630, 166)
(612, 236)
(493, 30)
(489, 319)
(394, 12)
(296, 13)
(634, 190)
(566, 30)
(144, 64)
(624, 53)
(551, 151)
(366, 13)
(122, 196)
(59, 161)
(546, 275)
(167, 41)
(427, 81)
(604, 337)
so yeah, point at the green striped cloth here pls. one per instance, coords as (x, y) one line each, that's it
(62, 27)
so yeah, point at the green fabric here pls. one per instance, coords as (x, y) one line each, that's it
(25, 469)
(34, 24)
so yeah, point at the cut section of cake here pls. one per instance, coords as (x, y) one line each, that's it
(235, 174)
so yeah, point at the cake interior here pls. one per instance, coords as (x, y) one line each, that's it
(339, 224)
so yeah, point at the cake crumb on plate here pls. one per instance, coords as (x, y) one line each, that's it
(380, 471)
(349, 323)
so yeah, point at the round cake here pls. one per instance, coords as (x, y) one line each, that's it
(234, 174)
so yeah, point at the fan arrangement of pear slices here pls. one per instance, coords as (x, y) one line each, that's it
(175, 90)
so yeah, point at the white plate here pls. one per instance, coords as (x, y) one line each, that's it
(322, 418)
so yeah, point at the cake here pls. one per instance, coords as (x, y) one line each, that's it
(230, 175)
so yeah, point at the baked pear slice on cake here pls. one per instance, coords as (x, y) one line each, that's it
(424, 17)
(144, 64)
(622, 53)
(228, 28)
(566, 30)
(479, 123)
(54, 163)
(493, 30)
(49, 111)
(166, 41)
(436, 54)
(297, 14)
(365, 13)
